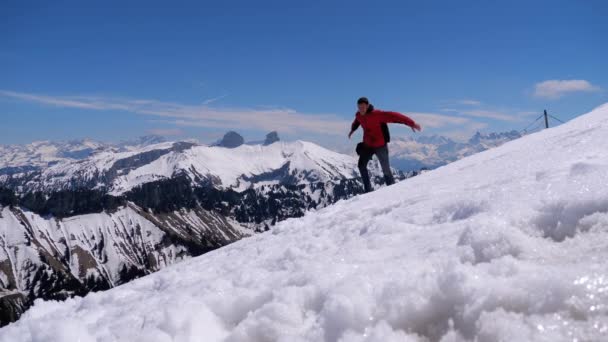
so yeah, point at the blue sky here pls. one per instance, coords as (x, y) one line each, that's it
(121, 69)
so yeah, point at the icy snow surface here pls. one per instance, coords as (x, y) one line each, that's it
(510, 244)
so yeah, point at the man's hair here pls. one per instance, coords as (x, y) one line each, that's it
(363, 100)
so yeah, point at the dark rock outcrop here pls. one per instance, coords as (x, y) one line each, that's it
(231, 140)
(271, 137)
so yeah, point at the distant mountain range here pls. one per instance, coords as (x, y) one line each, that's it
(116, 169)
(47, 153)
(410, 153)
(429, 152)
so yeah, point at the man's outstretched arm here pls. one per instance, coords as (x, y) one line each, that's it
(353, 127)
(394, 117)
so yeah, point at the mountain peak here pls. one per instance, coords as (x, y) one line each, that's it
(271, 137)
(494, 137)
(231, 140)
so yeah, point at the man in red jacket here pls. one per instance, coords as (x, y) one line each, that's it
(375, 138)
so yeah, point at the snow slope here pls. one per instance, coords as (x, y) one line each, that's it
(506, 245)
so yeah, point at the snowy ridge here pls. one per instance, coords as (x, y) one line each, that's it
(506, 245)
(237, 168)
(93, 171)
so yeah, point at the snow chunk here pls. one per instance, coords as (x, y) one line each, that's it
(490, 241)
(565, 218)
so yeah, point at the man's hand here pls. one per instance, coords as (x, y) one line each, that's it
(351, 133)
(416, 127)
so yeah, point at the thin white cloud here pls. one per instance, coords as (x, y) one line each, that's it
(469, 102)
(486, 112)
(554, 89)
(490, 114)
(433, 120)
(284, 120)
(211, 100)
(71, 102)
(281, 119)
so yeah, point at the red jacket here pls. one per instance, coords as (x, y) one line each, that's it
(371, 123)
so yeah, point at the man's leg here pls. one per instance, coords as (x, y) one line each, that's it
(362, 164)
(382, 154)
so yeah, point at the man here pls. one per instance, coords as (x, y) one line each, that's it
(375, 138)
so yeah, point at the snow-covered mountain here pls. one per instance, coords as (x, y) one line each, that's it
(238, 168)
(506, 245)
(45, 153)
(415, 153)
(41, 154)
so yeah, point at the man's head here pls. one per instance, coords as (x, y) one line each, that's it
(362, 105)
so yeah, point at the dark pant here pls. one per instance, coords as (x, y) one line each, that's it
(382, 155)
